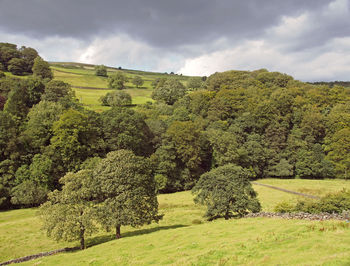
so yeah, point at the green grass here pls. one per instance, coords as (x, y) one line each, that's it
(83, 75)
(184, 237)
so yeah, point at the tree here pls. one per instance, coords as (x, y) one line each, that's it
(28, 54)
(39, 125)
(338, 152)
(117, 81)
(194, 83)
(123, 128)
(75, 138)
(116, 98)
(101, 71)
(56, 90)
(227, 192)
(69, 214)
(127, 191)
(42, 69)
(169, 92)
(28, 194)
(2, 102)
(137, 81)
(17, 66)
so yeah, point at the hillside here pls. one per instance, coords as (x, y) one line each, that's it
(89, 87)
(185, 237)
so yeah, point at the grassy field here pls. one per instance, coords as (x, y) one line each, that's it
(184, 237)
(83, 75)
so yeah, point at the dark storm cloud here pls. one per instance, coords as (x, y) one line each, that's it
(160, 23)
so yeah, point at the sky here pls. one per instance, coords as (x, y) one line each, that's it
(308, 39)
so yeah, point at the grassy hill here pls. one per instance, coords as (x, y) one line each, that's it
(89, 87)
(183, 237)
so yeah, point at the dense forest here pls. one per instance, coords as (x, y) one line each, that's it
(265, 122)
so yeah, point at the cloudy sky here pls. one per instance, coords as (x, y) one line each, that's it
(308, 39)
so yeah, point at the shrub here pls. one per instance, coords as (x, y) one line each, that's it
(284, 207)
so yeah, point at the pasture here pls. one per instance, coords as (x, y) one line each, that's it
(89, 88)
(184, 237)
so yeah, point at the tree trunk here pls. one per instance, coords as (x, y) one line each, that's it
(227, 215)
(82, 239)
(117, 232)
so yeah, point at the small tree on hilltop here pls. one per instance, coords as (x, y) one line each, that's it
(137, 81)
(69, 214)
(127, 191)
(169, 91)
(42, 69)
(101, 71)
(227, 192)
(117, 81)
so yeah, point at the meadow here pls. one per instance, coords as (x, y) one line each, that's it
(89, 88)
(184, 237)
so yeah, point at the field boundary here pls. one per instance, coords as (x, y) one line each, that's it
(39, 255)
(287, 191)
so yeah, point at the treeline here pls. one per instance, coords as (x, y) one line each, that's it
(332, 83)
(265, 122)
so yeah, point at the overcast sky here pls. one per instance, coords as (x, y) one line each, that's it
(308, 39)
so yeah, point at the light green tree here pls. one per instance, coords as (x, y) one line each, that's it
(69, 214)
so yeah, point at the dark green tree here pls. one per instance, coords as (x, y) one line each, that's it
(42, 69)
(28, 54)
(127, 189)
(17, 66)
(126, 129)
(227, 192)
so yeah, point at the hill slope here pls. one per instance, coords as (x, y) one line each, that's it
(184, 237)
(89, 87)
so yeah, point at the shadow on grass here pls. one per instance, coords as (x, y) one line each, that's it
(106, 238)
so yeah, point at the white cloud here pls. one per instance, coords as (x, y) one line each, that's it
(286, 48)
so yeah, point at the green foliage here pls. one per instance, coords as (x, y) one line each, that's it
(116, 98)
(126, 129)
(101, 70)
(17, 66)
(117, 81)
(69, 214)
(194, 83)
(285, 207)
(42, 69)
(40, 120)
(127, 190)
(169, 92)
(28, 54)
(137, 81)
(57, 90)
(28, 194)
(75, 138)
(336, 202)
(227, 192)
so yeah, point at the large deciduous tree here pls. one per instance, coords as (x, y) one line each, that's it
(227, 192)
(69, 214)
(127, 190)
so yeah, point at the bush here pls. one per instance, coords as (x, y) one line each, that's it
(28, 194)
(331, 203)
(284, 207)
